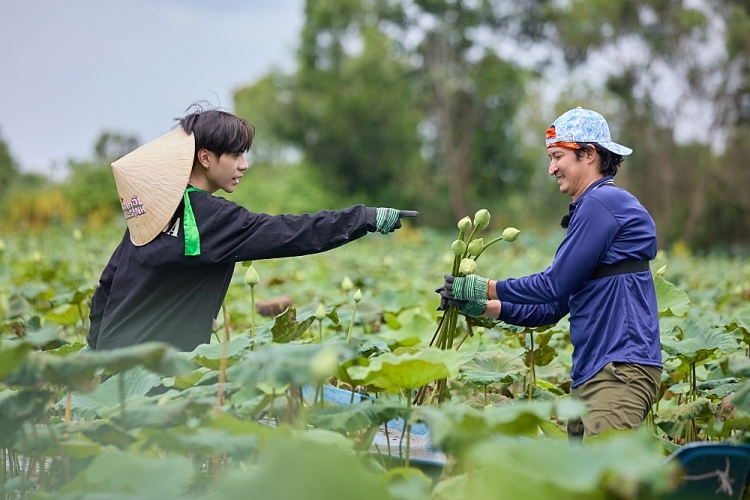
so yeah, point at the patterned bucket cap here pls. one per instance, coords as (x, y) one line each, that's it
(584, 125)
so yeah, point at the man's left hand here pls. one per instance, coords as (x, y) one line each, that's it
(471, 288)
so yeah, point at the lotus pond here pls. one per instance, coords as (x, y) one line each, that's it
(245, 415)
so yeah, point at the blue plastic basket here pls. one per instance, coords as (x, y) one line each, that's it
(422, 454)
(712, 470)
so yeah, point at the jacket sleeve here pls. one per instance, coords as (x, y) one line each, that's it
(592, 230)
(101, 294)
(235, 234)
(533, 315)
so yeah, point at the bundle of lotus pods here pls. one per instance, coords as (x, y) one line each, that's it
(466, 251)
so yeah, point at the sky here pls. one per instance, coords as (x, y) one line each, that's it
(72, 69)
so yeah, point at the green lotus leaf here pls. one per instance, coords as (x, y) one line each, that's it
(409, 370)
(741, 323)
(187, 380)
(17, 408)
(132, 475)
(136, 382)
(670, 299)
(12, 355)
(543, 353)
(321, 471)
(77, 372)
(235, 426)
(353, 418)
(280, 364)
(693, 410)
(625, 466)
(491, 367)
(202, 442)
(77, 448)
(455, 428)
(170, 414)
(414, 326)
(696, 343)
(741, 397)
(209, 355)
(64, 314)
(98, 431)
(286, 327)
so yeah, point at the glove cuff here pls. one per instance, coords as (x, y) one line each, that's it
(386, 219)
(473, 308)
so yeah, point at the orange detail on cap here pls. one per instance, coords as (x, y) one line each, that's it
(566, 145)
(551, 132)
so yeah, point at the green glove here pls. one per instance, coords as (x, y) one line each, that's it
(471, 288)
(473, 308)
(388, 219)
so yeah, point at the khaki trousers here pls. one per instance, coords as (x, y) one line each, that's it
(618, 397)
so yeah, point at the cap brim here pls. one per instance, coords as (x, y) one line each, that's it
(151, 182)
(616, 148)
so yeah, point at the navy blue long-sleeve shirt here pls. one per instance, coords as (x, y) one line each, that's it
(156, 293)
(614, 318)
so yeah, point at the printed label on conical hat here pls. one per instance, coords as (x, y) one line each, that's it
(151, 181)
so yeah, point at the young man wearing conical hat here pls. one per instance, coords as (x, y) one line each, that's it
(168, 277)
(600, 275)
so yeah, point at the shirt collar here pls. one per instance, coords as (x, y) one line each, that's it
(607, 179)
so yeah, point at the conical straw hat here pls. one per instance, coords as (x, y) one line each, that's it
(151, 181)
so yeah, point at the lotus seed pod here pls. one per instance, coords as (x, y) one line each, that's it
(320, 312)
(251, 276)
(458, 247)
(510, 234)
(358, 295)
(464, 224)
(476, 246)
(346, 284)
(467, 267)
(482, 218)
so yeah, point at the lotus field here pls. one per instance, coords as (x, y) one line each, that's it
(248, 415)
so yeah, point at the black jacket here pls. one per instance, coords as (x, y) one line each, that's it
(156, 293)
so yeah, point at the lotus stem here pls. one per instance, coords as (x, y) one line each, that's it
(223, 361)
(68, 402)
(466, 335)
(252, 311)
(121, 392)
(351, 323)
(532, 372)
(408, 429)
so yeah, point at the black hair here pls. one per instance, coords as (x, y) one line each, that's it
(216, 130)
(610, 161)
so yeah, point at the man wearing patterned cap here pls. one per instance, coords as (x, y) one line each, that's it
(168, 277)
(600, 275)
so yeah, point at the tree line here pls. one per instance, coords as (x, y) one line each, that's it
(442, 104)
